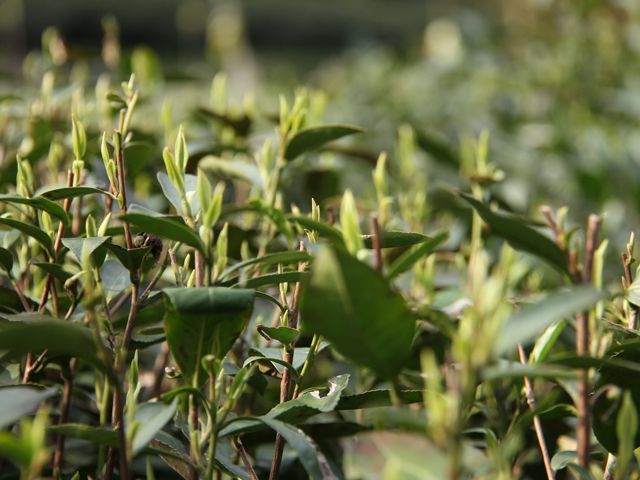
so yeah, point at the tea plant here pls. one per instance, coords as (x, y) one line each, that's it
(205, 300)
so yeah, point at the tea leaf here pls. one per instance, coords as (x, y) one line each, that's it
(204, 321)
(32, 231)
(164, 227)
(39, 203)
(352, 306)
(313, 138)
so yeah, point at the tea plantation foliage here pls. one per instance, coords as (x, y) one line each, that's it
(352, 284)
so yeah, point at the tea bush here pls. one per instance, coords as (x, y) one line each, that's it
(192, 289)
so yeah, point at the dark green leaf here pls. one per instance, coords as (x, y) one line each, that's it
(392, 239)
(520, 235)
(531, 320)
(25, 333)
(313, 138)
(237, 169)
(405, 261)
(32, 231)
(39, 203)
(54, 269)
(6, 259)
(203, 321)
(130, 259)
(615, 380)
(310, 456)
(60, 193)
(353, 307)
(165, 228)
(284, 335)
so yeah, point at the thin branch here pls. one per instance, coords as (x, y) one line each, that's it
(628, 279)
(285, 383)
(537, 424)
(245, 459)
(376, 239)
(582, 348)
(28, 369)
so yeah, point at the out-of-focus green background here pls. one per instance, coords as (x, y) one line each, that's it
(556, 84)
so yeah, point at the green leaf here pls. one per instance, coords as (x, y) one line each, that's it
(165, 228)
(54, 269)
(6, 259)
(615, 381)
(203, 321)
(299, 354)
(151, 417)
(25, 333)
(405, 261)
(39, 203)
(313, 138)
(32, 231)
(284, 335)
(84, 247)
(393, 239)
(519, 235)
(626, 428)
(633, 292)
(378, 398)
(563, 458)
(310, 456)
(60, 193)
(15, 449)
(98, 435)
(525, 325)
(545, 342)
(130, 259)
(272, 361)
(269, 259)
(274, 279)
(232, 168)
(20, 400)
(510, 370)
(353, 307)
(172, 194)
(324, 230)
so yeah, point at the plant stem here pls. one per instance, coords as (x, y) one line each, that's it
(214, 436)
(537, 424)
(285, 383)
(582, 349)
(377, 242)
(64, 415)
(71, 180)
(628, 280)
(245, 459)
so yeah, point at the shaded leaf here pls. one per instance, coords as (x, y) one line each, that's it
(32, 231)
(172, 194)
(20, 400)
(25, 333)
(60, 193)
(274, 279)
(525, 325)
(519, 235)
(393, 239)
(405, 261)
(313, 138)
(54, 269)
(371, 326)
(39, 203)
(284, 335)
(151, 417)
(6, 259)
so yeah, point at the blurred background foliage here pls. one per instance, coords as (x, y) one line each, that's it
(554, 83)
